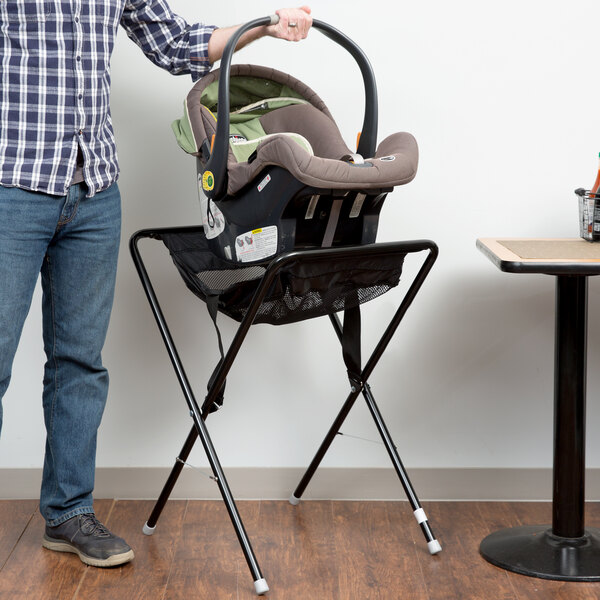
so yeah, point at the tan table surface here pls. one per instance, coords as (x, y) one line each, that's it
(542, 255)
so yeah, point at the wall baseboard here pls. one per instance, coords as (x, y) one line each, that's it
(328, 483)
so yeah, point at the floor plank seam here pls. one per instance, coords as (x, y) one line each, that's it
(511, 582)
(237, 580)
(76, 593)
(336, 545)
(112, 506)
(239, 565)
(419, 562)
(18, 540)
(183, 517)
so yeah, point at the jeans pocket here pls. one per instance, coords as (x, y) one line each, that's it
(15, 11)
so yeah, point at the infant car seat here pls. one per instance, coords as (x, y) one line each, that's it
(273, 177)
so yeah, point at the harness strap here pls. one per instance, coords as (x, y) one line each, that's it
(351, 327)
(351, 345)
(334, 216)
(212, 303)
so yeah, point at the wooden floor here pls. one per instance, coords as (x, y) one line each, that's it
(323, 550)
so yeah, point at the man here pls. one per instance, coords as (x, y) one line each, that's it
(60, 215)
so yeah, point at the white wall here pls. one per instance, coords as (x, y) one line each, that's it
(503, 100)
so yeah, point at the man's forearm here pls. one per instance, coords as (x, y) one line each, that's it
(220, 37)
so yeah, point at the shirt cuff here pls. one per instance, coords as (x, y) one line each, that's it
(199, 62)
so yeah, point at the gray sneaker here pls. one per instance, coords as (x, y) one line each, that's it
(85, 536)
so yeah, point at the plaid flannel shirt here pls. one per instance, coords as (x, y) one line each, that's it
(55, 83)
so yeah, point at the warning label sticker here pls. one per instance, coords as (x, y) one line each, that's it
(256, 244)
(263, 183)
(213, 220)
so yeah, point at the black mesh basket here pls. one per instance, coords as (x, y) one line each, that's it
(302, 289)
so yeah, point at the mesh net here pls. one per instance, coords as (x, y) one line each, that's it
(302, 289)
(289, 306)
(224, 279)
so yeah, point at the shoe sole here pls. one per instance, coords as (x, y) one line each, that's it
(63, 546)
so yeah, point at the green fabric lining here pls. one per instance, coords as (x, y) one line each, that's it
(267, 106)
(243, 91)
(243, 150)
(184, 135)
(249, 130)
(246, 90)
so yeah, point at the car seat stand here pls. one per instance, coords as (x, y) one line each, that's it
(359, 385)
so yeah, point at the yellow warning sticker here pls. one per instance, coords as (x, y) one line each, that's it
(208, 181)
(257, 244)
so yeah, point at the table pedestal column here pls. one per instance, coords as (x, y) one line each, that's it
(565, 550)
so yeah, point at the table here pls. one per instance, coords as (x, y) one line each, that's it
(565, 550)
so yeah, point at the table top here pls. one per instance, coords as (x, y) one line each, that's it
(552, 256)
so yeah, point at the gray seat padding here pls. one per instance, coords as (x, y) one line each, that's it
(326, 168)
(394, 163)
(319, 129)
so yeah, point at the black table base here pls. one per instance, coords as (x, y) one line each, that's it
(537, 552)
(565, 550)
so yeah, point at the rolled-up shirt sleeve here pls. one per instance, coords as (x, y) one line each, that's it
(166, 38)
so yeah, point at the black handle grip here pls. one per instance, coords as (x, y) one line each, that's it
(217, 163)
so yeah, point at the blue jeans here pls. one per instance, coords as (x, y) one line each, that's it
(74, 242)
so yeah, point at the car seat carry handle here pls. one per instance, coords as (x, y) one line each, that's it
(368, 138)
(217, 164)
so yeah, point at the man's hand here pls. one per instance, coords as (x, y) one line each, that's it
(293, 25)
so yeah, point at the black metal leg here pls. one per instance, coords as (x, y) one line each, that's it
(199, 429)
(565, 550)
(171, 481)
(433, 545)
(316, 461)
(179, 371)
(362, 386)
(259, 582)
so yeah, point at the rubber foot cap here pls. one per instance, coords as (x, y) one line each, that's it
(261, 587)
(148, 530)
